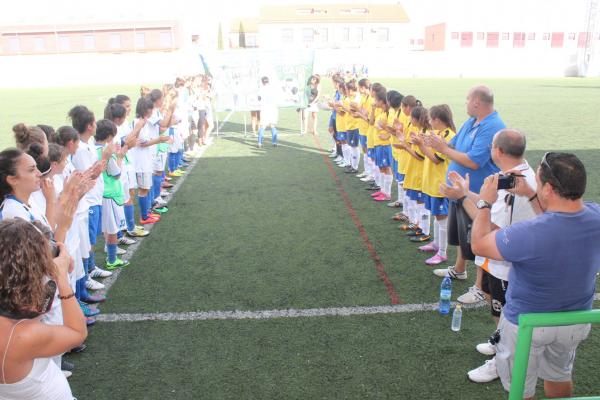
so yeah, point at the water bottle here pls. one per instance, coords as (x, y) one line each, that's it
(456, 318)
(445, 294)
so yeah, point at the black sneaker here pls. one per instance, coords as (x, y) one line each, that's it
(350, 170)
(373, 187)
(66, 366)
(78, 349)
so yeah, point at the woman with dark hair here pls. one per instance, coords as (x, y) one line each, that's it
(29, 279)
(313, 89)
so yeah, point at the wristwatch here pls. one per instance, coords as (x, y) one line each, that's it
(483, 204)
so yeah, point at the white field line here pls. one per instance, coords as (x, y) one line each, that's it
(271, 314)
(108, 282)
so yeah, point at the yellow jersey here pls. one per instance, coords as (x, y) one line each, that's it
(341, 120)
(352, 122)
(435, 174)
(413, 178)
(392, 116)
(366, 103)
(383, 115)
(372, 129)
(404, 156)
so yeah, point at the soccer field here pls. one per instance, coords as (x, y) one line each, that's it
(274, 275)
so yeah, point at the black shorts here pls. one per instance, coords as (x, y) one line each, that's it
(201, 119)
(496, 288)
(459, 229)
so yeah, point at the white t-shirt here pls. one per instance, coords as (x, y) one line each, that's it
(142, 156)
(13, 208)
(503, 215)
(83, 159)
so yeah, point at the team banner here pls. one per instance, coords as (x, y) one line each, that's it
(237, 75)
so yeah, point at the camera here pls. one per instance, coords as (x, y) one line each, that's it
(506, 181)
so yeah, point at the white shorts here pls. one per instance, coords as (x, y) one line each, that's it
(131, 180)
(158, 161)
(84, 233)
(113, 217)
(551, 356)
(144, 180)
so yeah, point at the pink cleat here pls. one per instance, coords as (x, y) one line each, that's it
(382, 197)
(435, 260)
(377, 193)
(429, 248)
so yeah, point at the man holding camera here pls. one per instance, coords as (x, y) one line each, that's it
(469, 153)
(508, 149)
(554, 260)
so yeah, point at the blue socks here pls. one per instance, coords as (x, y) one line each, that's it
(112, 252)
(129, 217)
(91, 262)
(274, 135)
(261, 131)
(143, 203)
(156, 181)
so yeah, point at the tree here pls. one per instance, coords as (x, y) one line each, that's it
(242, 43)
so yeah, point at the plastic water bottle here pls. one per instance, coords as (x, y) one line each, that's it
(445, 295)
(456, 318)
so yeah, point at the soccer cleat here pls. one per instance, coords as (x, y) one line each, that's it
(125, 241)
(429, 248)
(486, 348)
(160, 210)
(148, 221)
(408, 227)
(92, 299)
(361, 175)
(394, 204)
(89, 321)
(415, 232)
(138, 232)
(400, 217)
(66, 366)
(473, 295)
(91, 284)
(420, 238)
(87, 310)
(117, 264)
(164, 193)
(382, 197)
(486, 373)
(435, 260)
(99, 273)
(373, 186)
(154, 215)
(451, 272)
(166, 185)
(367, 178)
(376, 194)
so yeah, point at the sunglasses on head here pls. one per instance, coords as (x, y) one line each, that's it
(546, 165)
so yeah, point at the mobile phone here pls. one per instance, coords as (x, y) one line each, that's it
(506, 181)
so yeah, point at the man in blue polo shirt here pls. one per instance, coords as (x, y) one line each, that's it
(470, 152)
(555, 259)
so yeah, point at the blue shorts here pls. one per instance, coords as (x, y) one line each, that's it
(353, 137)
(415, 195)
(95, 223)
(362, 140)
(371, 152)
(340, 136)
(437, 205)
(383, 156)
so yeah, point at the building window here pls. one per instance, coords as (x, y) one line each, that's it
(383, 35)
(519, 39)
(140, 40)
(360, 34)
(64, 44)
(454, 35)
(346, 35)
(115, 41)
(466, 39)
(572, 36)
(420, 42)
(492, 39)
(480, 36)
(88, 42)
(38, 44)
(582, 40)
(546, 36)
(412, 42)
(308, 35)
(557, 39)
(531, 36)
(323, 35)
(14, 45)
(165, 39)
(287, 35)
(505, 36)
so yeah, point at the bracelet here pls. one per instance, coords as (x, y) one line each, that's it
(533, 197)
(67, 296)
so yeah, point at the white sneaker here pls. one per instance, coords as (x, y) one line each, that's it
(164, 193)
(443, 272)
(120, 251)
(486, 348)
(343, 165)
(368, 178)
(333, 155)
(160, 202)
(474, 295)
(486, 373)
(337, 159)
(100, 273)
(91, 284)
(361, 175)
(67, 374)
(124, 240)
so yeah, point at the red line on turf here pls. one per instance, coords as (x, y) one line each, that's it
(394, 298)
